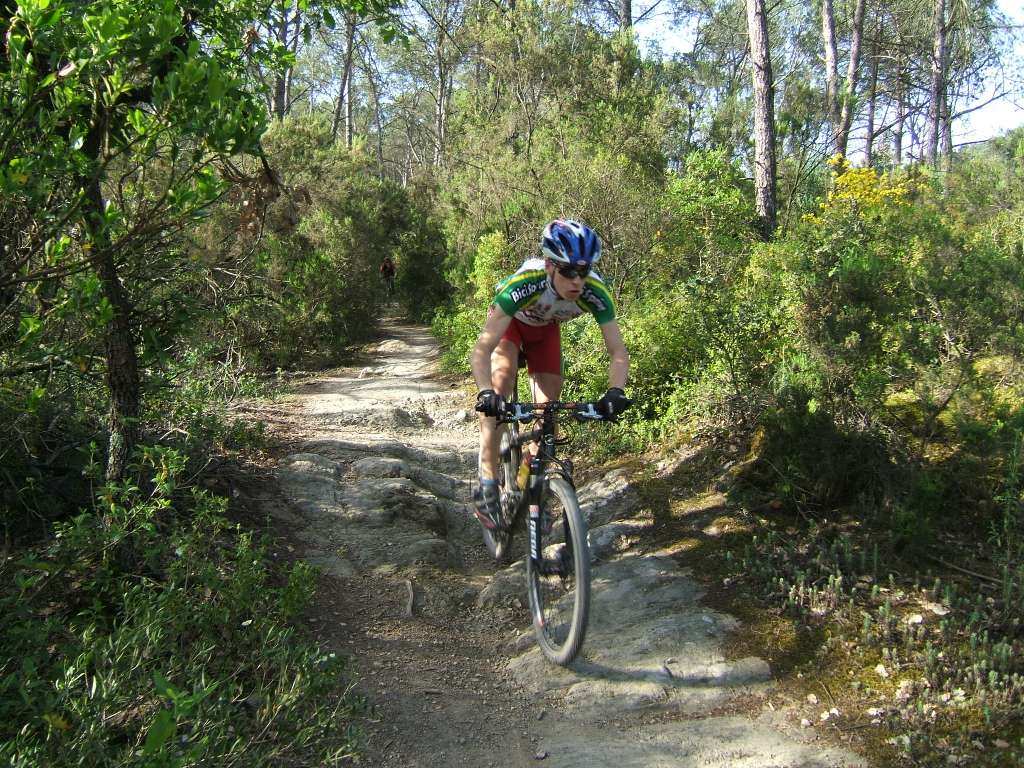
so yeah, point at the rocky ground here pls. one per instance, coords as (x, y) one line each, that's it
(373, 484)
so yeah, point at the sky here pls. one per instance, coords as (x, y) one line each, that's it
(992, 120)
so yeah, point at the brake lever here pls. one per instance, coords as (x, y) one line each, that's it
(518, 413)
(590, 413)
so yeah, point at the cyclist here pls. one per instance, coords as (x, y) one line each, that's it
(387, 273)
(526, 316)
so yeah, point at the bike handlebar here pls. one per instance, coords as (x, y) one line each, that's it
(529, 411)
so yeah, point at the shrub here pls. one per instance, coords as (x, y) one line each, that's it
(305, 254)
(888, 309)
(458, 328)
(148, 631)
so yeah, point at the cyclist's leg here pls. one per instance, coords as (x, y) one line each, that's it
(504, 362)
(544, 364)
(486, 497)
(546, 386)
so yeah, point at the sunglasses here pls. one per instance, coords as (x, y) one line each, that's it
(572, 272)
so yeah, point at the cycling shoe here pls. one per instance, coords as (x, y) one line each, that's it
(487, 506)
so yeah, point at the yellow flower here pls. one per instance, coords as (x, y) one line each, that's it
(864, 188)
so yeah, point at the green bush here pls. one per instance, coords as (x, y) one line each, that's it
(458, 327)
(875, 345)
(148, 631)
(306, 254)
(421, 284)
(893, 317)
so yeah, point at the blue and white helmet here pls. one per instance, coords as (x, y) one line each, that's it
(568, 242)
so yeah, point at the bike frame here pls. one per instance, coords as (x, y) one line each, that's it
(542, 466)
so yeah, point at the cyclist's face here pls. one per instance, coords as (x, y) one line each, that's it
(566, 287)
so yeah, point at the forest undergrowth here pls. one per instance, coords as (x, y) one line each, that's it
(870, 358)
(911, 650)
(193, 198)
(149, 628)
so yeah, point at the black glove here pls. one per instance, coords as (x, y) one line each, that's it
(490, 403)
(613, 403)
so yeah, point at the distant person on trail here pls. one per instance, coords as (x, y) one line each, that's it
(387, 273)
(526, 317)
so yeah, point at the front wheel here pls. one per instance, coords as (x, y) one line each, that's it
(559, 580)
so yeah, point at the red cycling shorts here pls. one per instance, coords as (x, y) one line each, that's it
(542, 345)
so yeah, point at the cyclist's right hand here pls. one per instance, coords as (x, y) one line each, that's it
(490, 403)
(613, 403)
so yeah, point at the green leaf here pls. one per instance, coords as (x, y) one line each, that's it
(329, 21)
(159, 732)
(56, 721)
(215, 89)
(137, 120)
(37, 565)
(163, 687)
(29, 326)
(110, 25)
(35, 399)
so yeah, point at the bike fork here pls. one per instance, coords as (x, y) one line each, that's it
(535, 533)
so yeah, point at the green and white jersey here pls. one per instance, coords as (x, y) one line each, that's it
(529, 297)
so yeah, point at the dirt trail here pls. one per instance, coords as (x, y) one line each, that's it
(375, 485)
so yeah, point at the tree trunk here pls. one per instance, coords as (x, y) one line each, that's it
(901, 117)
(852, 75)
(931, 152)
(441, 127)
(625, 14)
(375, 95)
(339, 110)
(443, 69)
(350, 128)
(872, 99)
(764, 116)
(440, 102)
(947, 132)
(341, 107)
(289, 75)
(122, 375)
(282, 81)
(828, 36)
(122, 372)
(407, 166)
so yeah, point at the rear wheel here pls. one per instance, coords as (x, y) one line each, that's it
(559, 584)
(498, 542)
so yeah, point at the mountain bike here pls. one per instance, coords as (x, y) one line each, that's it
(558, 561)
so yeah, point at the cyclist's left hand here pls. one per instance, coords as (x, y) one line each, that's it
(613, 403)
(490, 403)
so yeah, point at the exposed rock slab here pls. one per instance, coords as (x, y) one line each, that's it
(649, 643)
(713, 742)
(382, 488)
(380, 517)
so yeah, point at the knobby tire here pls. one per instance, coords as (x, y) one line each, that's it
(559, 626)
